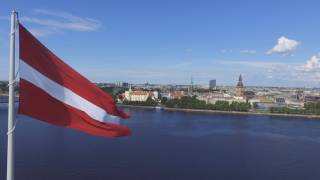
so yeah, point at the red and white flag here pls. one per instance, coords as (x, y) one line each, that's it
(53, 92)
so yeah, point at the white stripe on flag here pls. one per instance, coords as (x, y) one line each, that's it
(64, 94)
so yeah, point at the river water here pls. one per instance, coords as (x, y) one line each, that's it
(170, 145)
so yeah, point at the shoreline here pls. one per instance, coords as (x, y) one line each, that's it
(216, 111)
(224, 112)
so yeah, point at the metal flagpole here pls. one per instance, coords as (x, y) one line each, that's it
(11, 114)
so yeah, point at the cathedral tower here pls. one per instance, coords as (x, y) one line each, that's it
(240, 87)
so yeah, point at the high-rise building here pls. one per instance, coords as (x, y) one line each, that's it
(212, 84)
(122, 84)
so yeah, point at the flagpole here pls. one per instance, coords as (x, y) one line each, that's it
(11, 114)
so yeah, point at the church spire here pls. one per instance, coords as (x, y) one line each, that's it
(240, 78)
(240, 83)
(240, 87)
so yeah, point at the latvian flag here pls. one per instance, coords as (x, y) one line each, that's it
(53, 92)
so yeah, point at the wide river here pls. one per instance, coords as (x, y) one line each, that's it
(170, 146)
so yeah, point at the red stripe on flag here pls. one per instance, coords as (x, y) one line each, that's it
(37, 104)
(43, 60)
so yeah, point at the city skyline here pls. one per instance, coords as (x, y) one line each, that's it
(167, 42)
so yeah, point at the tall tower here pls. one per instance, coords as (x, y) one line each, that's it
(191, 86)
(191, 83)
(240, 87)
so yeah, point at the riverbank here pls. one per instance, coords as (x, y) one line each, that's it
(225, 112)
(137, 106)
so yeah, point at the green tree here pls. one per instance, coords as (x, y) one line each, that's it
(164, 100)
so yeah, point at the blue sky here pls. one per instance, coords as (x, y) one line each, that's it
(271, 43)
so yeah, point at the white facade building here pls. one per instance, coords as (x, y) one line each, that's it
(140, 95)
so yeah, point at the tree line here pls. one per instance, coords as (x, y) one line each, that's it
(188, 102)
(309, 109)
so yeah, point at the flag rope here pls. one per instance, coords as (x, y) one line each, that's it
(9, 84)
(13, 128)
(15, 76)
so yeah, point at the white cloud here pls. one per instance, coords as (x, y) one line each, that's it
(226, 51)
(42, 31)
(284, 46)
(258, 64)
(305, 73)
(248, 51)
(279, 73)
(313, 63)
(52, 22)
(180, 65)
